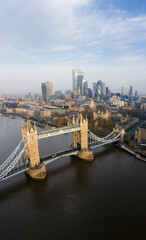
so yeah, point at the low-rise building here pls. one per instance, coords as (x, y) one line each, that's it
(89, 103)
(140, 135)
(42, 113)
(54, 109)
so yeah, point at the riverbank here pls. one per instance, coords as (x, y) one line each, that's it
(131, 151)
(14, 115)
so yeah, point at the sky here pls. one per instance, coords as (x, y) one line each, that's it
(43, 40)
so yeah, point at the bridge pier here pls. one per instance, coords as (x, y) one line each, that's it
(86, 155)
(36, 170)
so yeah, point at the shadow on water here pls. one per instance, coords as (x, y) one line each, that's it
(79, 167)
(38, 188)
(103, 151)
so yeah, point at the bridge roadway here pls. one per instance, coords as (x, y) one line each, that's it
(71, 151)
(50, 158)
(46, 160)
(58, 131)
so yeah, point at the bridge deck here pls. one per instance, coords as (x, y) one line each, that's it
(58, 131)
(49, 158)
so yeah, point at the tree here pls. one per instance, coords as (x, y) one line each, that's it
(100, 108)
(127, 138)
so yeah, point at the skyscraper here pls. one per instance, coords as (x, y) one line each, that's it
(75, 73)
(94, 88)
(85, 86)
(80, 83)
(103, 89)
(131, 91)
(136, 93)
(124, 90)
(100, 89)
(47, 90)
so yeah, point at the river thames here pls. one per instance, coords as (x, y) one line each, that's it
(105, 199)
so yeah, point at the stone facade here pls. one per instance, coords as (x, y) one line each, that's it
(101, 114)
(36, 169)
(29, 134)
(84, 134)
(81, 137)
(140, 135)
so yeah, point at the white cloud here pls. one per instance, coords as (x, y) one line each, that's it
(133, 59)
(70, 33)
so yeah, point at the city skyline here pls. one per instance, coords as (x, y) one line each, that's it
(44, 40)
(78, 75)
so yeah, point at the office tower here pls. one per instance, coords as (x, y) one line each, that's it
(100, 90)
(89, 93)
(94, 86)
(136, 93)
(80, 83)
(124, 90)
(43, 85)
(85, 86)
(47, 90)
(107, 90)
(131, 91)
(75, 73)
(103, 89)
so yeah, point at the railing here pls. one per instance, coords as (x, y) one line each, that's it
(10, 158)
(104, 139)
(13, 163)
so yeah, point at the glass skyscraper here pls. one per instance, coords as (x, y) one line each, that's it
(47, 90)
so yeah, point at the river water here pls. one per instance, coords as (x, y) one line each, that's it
(105, 199)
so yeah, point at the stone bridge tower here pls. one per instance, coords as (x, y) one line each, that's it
(117, 131)
(29, 134)
(81, 138)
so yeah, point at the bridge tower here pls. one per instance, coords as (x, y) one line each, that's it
(117, 131)
(81, 137)
(36, 169)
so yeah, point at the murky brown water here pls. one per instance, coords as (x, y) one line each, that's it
(105, 199)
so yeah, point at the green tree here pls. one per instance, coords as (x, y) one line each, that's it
(127, 138)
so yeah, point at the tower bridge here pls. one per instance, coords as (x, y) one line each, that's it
(26, 157)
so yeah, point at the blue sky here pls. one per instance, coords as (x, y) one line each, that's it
(43, 40)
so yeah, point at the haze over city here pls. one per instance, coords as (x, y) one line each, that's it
(44, 40)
